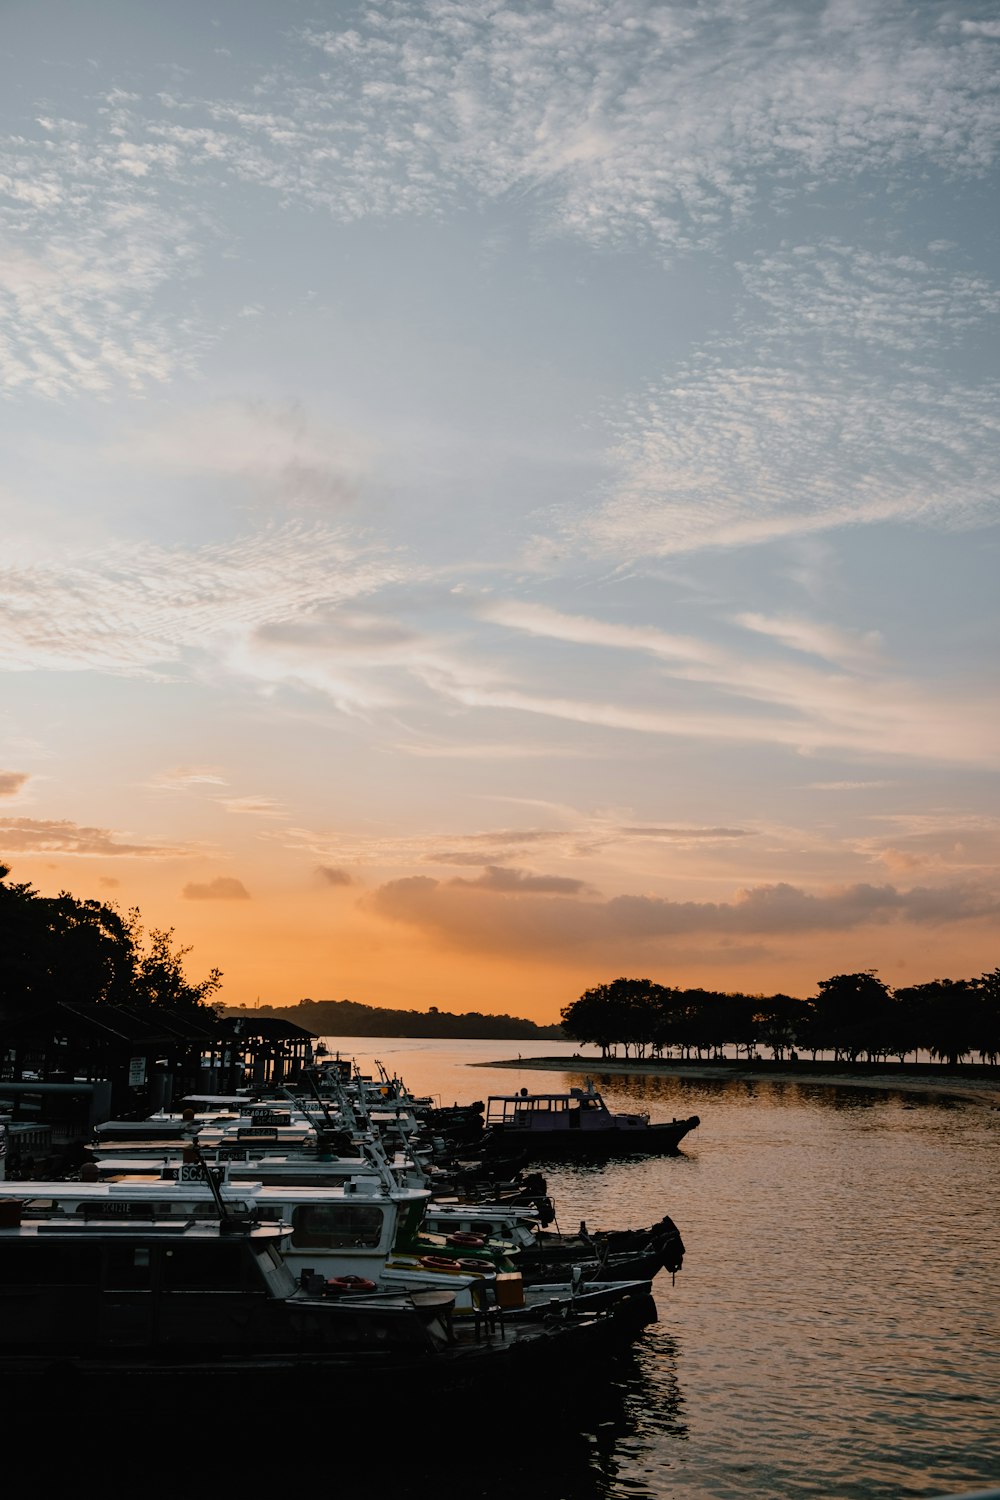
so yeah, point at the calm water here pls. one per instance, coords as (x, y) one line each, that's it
(835, 1330)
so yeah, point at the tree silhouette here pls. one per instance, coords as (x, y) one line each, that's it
(59, 948)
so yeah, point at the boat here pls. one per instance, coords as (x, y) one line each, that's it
(366, 1234)
(132, 1315)
(573, 1125)
(542, 1255)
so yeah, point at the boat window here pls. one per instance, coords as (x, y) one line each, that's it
(128, 1268)
(336, 1226)
(206, 1267)
(38, 1264)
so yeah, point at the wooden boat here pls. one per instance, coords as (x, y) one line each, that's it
(573, 1125)
(136, 1315)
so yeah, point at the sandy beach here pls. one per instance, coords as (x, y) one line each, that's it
(980, 1088)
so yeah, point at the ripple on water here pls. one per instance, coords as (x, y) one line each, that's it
(834, 1330)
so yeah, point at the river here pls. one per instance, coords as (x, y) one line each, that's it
(835, 1329)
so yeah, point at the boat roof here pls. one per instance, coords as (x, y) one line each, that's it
(137, 1229)
(523, 1097)
(158, 1189)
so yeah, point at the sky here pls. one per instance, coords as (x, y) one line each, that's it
(498, 497)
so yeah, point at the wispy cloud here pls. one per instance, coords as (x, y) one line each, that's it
(947, 843)
(505, 881)
(620, 123)
(85, 253)
(259, 807)
(333, 875)
(861, 705)
(143, 609)
(730, 455)
(60, 836)
(847, 293)
(848, 648)
(644, 121)
(183, 778)
(11, 782)
(277, 451)
(541, 620)
(222, 888)
(846, 786)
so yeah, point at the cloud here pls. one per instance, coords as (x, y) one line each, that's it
(726, 454)
(275, 450)
(261, 807)
(881, 717)
(946, 843)
(332, 875)
(734, 692)
(639, 122)
(846, 786)
(684, 835)
(141, 609)
(472, 917)
(60, 836)
(85, 251)
(852, 294)
(11, 782)
(222, 888)
(619, 123)
(582, 630)
(507, 882)
(849, 648)
(181, 778)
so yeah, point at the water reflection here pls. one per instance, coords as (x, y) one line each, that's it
(658, 1091)
(831, 1334)
(633, 1403)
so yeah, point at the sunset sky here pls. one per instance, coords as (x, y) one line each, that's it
(501, 496)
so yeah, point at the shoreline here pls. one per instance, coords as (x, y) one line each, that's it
(985, 1090)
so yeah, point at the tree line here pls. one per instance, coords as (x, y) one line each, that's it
(59, 948)
(854, 1016)
(353, 1018)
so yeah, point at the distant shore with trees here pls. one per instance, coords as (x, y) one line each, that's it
(353, 1018)
(856, 1018)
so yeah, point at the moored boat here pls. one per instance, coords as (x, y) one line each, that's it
(574, 1125)
(138, 1313)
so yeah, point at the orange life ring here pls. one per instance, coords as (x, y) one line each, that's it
(438, 1263)
(350, 1284)
(470, 1241)
(468, 1264)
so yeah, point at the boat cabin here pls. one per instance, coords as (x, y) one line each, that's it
(579, 1109)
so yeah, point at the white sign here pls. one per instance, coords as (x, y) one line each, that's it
(136, 1072)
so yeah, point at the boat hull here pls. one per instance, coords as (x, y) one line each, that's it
(531, 1146)
(550, 1358)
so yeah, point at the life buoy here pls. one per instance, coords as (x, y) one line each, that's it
(350, 1284)
(438, 1263)
(469, 1241)
(468, 1264)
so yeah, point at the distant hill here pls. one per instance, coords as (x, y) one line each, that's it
(351, 1018)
